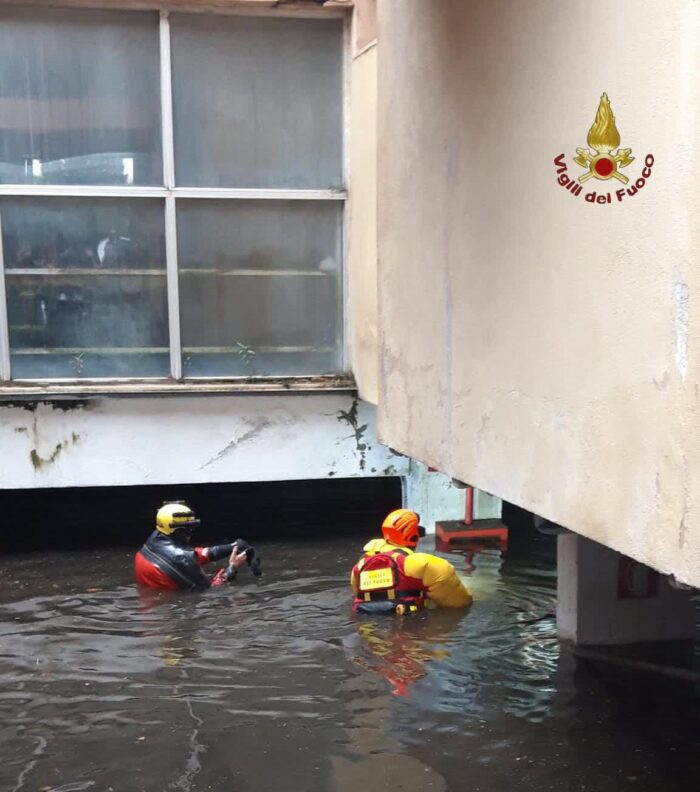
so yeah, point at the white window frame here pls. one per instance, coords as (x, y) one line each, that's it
(169, 193)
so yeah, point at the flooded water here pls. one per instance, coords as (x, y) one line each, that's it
(274, 685)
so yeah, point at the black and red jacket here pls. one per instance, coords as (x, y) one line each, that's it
(170, 562)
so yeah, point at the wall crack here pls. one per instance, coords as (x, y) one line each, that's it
(238, 441)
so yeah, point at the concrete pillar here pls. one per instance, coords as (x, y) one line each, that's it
(604, 597)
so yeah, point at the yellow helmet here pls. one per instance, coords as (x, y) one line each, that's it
(172, 517)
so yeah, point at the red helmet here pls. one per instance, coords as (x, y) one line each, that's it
(401, 528)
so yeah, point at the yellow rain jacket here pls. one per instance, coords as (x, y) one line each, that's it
(438, 576)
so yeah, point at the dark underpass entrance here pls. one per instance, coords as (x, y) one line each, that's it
(110, 516)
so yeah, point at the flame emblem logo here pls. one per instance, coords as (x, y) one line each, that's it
(603, 137)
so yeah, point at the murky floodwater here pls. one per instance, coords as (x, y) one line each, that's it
(274, 686)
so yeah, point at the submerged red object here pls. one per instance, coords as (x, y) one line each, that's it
(482, 531)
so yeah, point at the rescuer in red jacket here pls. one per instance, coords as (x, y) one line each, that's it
(168, 561)
(392, 578)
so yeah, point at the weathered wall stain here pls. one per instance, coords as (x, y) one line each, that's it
(270, 438)
(38, 462)
(350, 418)
(662, 384)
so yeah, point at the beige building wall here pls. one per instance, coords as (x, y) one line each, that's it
(362, 209)
(538, 346)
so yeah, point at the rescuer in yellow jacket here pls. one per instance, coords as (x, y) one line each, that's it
(392, 578)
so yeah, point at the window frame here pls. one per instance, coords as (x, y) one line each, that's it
(169, 193)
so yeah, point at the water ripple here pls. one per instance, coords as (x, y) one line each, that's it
(274, 684)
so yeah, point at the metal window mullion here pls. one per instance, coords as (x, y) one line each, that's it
(341, 304)
(345, 217)
(207, 193)
(80, 191)
(166, 102)
(258, 194)
(168, 144)
(5, 372)
(173, 286)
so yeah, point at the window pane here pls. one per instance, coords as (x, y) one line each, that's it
(260, 287)
(79, 97)
(257, 102)
(86, 287)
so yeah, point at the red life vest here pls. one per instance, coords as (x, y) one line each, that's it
(382, 577)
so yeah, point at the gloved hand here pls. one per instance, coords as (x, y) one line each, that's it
(251, 555)
(236, 560)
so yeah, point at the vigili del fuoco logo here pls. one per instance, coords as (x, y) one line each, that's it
(602, 162)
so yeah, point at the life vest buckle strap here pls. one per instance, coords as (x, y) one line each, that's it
(392, 594)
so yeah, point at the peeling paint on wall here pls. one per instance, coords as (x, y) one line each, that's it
(64, 405)
(265, 438)
(20, 405)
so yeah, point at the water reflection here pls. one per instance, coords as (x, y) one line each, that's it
(399, 649)
(274, 684)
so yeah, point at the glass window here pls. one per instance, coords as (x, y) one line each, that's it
(257, 105)
(86, 287)
(260, 287)
(79, 97)
(257, 102)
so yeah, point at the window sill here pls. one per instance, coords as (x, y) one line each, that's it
(50, 391)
